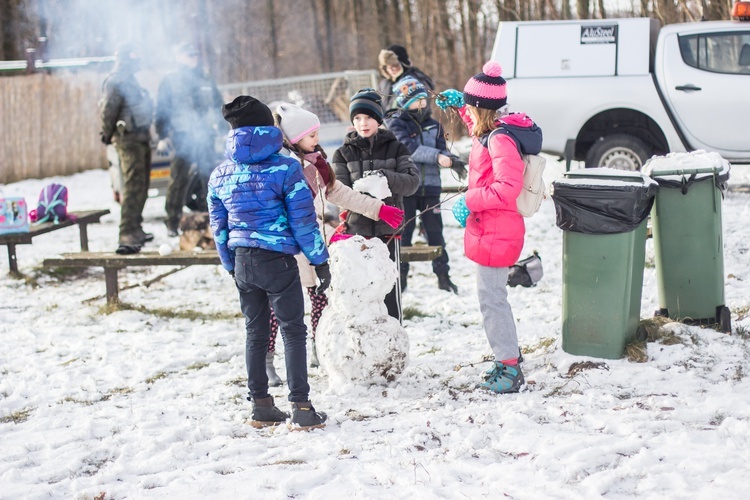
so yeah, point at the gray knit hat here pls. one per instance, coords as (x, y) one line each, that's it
(296, 123)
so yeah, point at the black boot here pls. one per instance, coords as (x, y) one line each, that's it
(266, 414)
(305, 418)
(445, 283)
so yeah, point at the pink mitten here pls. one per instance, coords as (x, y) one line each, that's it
(391, 215)
(340, 237)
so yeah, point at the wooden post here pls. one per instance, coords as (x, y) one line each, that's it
(84, 236)
(12, 259)
(110, 278)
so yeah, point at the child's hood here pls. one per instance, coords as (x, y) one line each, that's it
(523, 129)
(253, 144)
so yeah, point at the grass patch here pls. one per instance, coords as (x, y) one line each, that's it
(152, 379)
(17, 417)
(650, 330)
(434, 350)
(162, 312)
(542, 344)
(287, 462)
(742, 312)
(742, 332)
(84, 402)
(412, 312)
(58, 274)
(198, 365)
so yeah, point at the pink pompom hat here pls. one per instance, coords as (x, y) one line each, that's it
(487, 89)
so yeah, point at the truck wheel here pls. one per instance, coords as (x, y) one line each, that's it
(620, 151)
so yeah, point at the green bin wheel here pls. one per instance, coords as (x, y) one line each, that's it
(724, 315)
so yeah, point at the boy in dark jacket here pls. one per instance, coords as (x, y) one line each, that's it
(414, 126)
(366, 149)
(262, 214)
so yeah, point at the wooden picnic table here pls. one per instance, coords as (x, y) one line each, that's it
(113, 262)
(81, 218)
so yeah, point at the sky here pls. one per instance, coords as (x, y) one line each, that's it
(149, 401)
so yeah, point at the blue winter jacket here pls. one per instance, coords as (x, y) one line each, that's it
(258, 198)
(423, 137)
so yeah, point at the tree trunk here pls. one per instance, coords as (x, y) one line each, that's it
(582, 9)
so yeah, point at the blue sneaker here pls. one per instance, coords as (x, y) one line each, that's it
(503, 379)
(489, 372)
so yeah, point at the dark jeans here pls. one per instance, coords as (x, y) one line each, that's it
(432, 222)
(187, 151)
(264, 277)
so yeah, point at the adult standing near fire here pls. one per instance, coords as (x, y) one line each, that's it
(187, 116)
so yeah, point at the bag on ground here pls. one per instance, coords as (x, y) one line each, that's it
(526, 272)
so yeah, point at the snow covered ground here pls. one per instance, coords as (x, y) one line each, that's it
(149, 401)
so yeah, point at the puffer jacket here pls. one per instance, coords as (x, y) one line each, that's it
(259, 198)
(381, 152)
(423, 137)
(340, 195)
(494, 229)
(124, 99)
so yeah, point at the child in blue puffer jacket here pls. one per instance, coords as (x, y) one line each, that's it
(262, 214)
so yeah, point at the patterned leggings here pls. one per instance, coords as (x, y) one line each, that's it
(319, 302)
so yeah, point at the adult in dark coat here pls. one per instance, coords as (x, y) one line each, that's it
(394, 66)
(126, 116)
(187, 114)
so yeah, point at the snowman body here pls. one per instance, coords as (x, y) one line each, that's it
(356, 340)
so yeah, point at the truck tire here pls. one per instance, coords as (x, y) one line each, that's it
(620, 151)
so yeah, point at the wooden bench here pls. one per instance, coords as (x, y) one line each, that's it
(112, 262)
(82, 219)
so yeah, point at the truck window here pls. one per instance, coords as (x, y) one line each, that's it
(717, 52)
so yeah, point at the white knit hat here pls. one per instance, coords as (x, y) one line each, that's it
(295, 122)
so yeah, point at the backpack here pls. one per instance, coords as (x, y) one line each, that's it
(533, 191)
(52, 205)
(526, 272)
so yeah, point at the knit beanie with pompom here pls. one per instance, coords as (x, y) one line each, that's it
(487, 89)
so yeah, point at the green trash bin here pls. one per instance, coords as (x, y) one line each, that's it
(603, 214)
(688, 240)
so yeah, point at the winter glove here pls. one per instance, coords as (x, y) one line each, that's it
(461, 211)
(459, 167)
(105, 140)
(324, 276)
(391, 215)
(450, 98)
(163, 147)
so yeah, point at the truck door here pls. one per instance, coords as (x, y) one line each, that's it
(706, 77)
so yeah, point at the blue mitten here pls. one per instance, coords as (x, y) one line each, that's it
(461, 211)
(450, 98)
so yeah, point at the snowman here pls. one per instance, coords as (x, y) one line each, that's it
(357, 341)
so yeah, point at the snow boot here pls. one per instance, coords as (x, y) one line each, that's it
(273, 378)
(266, 414)
(445, 283)
(504, 379)
(313, 355)
(305, 418)
(489, 372)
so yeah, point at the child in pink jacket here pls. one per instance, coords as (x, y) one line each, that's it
(494, 229)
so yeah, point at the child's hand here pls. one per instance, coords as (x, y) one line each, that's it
(444, 160)
(461, 211)
(391, 215)
(450, 98)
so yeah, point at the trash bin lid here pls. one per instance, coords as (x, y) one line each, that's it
(693, 166)
(603, 200)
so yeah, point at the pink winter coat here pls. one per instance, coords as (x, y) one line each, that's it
(494, 229)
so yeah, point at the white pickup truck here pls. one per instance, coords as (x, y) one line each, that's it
(614, 92)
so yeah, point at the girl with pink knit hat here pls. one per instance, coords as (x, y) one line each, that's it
(494, 229)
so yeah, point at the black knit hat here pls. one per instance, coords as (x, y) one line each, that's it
(366, 101)
(247, 111)
(403, 56)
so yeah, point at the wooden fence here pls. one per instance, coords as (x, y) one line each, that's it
(49, 125)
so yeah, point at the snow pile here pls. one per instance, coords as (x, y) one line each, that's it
(373, 183)
(357, 341)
